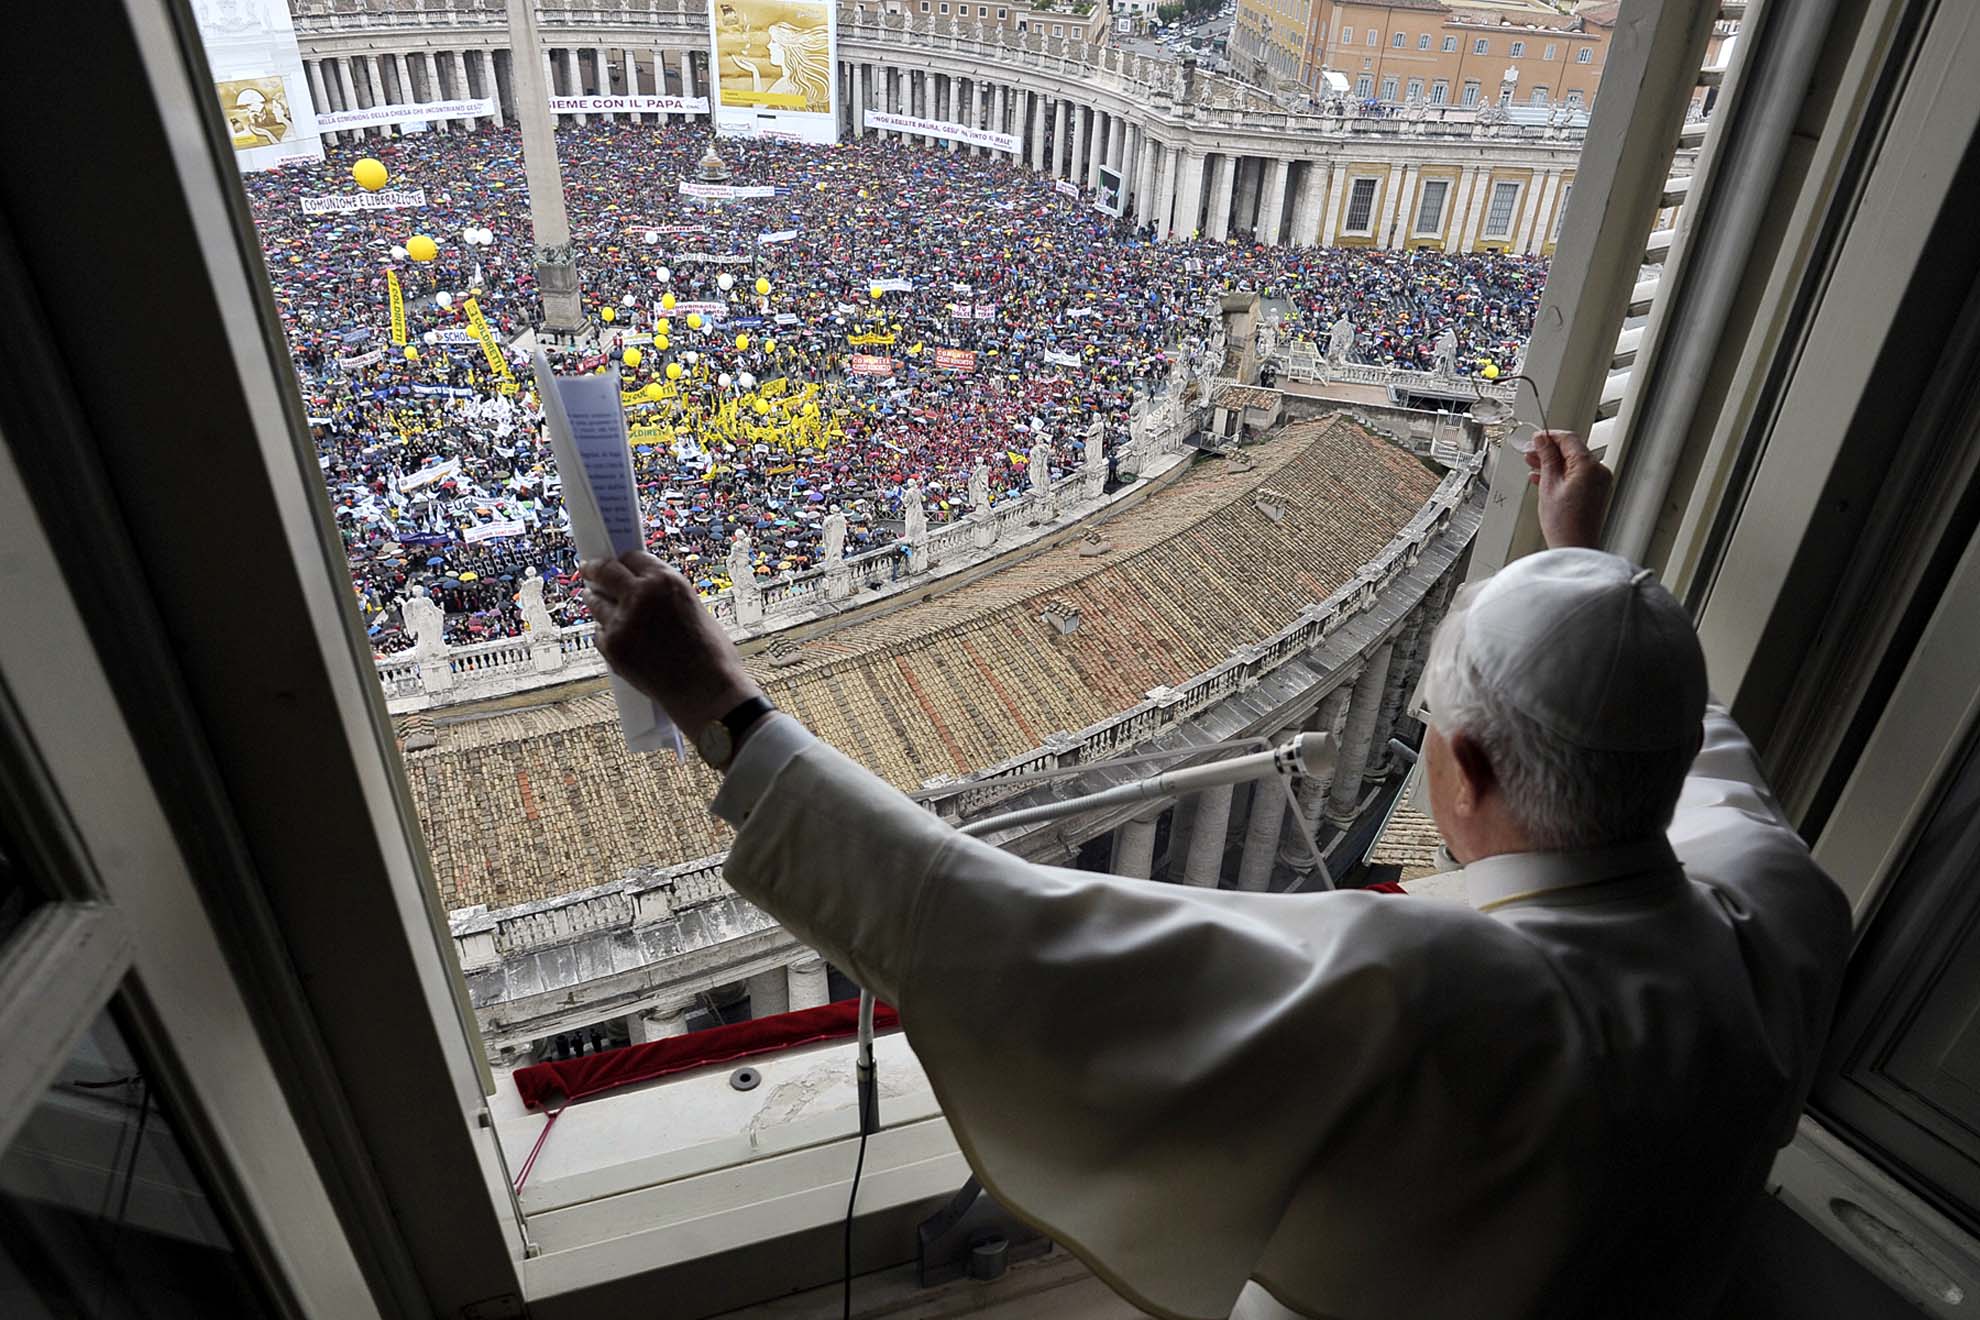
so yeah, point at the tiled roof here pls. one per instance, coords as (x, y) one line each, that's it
(1410, 841)
(1245, 396)
(525, 804)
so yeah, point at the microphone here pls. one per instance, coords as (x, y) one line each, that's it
(1310, 754)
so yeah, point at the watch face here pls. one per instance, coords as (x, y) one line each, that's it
(714, 744)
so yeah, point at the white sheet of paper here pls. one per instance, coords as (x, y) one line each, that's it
(587, 429)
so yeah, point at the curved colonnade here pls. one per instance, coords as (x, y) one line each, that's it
(1196, 154)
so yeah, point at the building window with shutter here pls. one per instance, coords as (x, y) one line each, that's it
(1399, 41)
(1364, 86)
(1423, 42)
(1499, 215)
(1518, 49)
(1552, 49)
(1430, 214)
(1478, 46)
(1414, 92)
(1361, 206)
(1389, 88)
(1450, 45)
(1586, 55)
(1440, 91)
(1470, 93)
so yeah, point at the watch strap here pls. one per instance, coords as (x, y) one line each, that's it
(738, 720)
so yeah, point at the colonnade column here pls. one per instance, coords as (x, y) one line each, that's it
(1223, 178)
(808, 985)
(1312, 792)
(319, 94)
(1411, 645)
(689, 85)
(1189, 195)
(1275, 200)
(1207, 835)
(572, 80)
(859, 100)
(1076, 167)
(345, 86)
(1134, 847)
(457, 67)
(769, 993)
(1037, 133)
(604, 66)
(1306, 210)
(1402, 182)
(1165, 192)
(1145, 180)
(490, 86)
(1059, 167)
(1330, 221)
(1358, 738)
(1103, 142)
(1261, 835)
(997, 97)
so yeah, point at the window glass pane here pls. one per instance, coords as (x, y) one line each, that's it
(1498, 220)
(100, 1214)
(1471, 93)
(1560, 212)
(1450, 45)
(1389, 88)
(1478, 47)
(1440, 92)
(18, 896)
(1431, 213)
(1361, 205)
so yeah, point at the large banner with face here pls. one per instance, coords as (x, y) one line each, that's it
(773, 63)
(259, 81)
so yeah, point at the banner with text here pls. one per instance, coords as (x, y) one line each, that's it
(489, 530)
(935, 128)
(331, 121)
(865, 364)
(397, 297)
(725, 192)
(389, 199)
(478, 325)
(772, 63)
(637, 105)
(955, 359)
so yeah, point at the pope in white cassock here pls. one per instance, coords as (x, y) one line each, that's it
(1558, 1101)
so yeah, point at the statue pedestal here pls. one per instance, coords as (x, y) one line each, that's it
(557, 286)
(983, 529)
(546, 654)
(838, 580)
(918, 556)
(749, 607)
(436, 674)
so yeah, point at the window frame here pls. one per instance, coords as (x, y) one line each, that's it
(1450, 45)
(1516, 51)
(1364, 86)
(1585, 55)
(1413, 89)
(1481, 46)
(1389, 85)
(1423, 42)
(1552, 52)
(1367, 226)
(1474, 94)
(1440, 92)
(1400, 42)
(1435, 229)
(1486, 233)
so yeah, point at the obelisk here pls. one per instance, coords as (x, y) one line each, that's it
(556, 267)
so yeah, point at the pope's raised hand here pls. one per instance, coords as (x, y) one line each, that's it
(1574, 489)
(656, 634)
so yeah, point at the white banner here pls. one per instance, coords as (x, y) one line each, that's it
(713, 310)
(432, 476)
(712, 258)
(329, 121)
(1061, 359)
(974, 137)
(895, 285)
(489, 530)
(388, 199)
(1065, 186)
(361, 360)
(780, 236)
(724, 191)
(644, 105)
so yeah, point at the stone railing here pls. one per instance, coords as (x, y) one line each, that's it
(649, 895)
(1301, 360)
(479, 671)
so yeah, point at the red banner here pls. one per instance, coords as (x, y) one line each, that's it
(865, 364)
(955, 359)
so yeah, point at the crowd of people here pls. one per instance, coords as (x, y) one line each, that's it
(432, 451)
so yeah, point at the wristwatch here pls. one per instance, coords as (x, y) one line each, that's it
(718, 739)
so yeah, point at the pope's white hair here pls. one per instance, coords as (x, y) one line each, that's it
(1562, 795)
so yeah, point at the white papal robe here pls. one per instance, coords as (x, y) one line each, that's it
(1556, 1103)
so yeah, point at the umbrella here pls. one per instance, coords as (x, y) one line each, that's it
(436, 561)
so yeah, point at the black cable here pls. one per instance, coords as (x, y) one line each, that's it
(859, 1167)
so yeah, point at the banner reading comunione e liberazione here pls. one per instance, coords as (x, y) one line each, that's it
(390, 199)
(970, 137)
(772, 64)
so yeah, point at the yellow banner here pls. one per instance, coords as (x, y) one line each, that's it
(478, 327)
(869, 339)
(398, 298)
(649, 434)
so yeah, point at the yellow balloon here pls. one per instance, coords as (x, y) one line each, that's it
(421, 248)
(875, 291)
(762, 407)
(662, 343)
(673, 371)
(632, 357)
(666, 326)
(1491, 371)
(762, 286)
(694, 320)
(667, 302)
(652, 390)
(742, 343)
(412, 354)
(769, 345)
(370, 174)
(607, 314)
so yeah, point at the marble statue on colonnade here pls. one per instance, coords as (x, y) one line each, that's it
(1444, 357)
(835, 536)
(427, 623)
(536, 614)
(979, 487)
(1340, 341)
(1039, 470)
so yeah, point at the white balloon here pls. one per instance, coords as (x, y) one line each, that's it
(747, 381)
(444, 298)
(431, 336)
(470, 235)
(725, 380)
(653, 238)
(666, 276)
(626, 301)
(692, 357)
(398, 254)
(725, 281)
